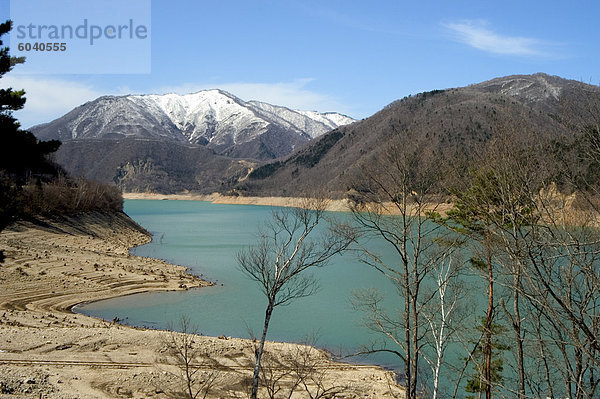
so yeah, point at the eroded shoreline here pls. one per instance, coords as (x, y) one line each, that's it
(46, 349)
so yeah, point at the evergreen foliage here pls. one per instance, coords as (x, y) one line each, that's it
(30, 183)
(22, 155)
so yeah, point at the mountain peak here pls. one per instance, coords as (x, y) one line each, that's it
(214, 118)
(441, 124)
(539, 88)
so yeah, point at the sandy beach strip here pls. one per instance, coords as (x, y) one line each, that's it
(216, 198)
(333, 205)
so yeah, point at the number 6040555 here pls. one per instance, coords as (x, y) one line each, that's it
(42, 46)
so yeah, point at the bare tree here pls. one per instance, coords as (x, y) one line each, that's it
(280, 260)
(561, 282)
(391, 203)
(304, 370)
(276, 377)
(310, 369)
(198, 372)
(442, 316)
(547, 260)
(502, 200)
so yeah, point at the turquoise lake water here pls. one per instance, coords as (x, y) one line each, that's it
(206, 237)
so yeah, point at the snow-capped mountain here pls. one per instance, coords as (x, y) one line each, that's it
(213, 118)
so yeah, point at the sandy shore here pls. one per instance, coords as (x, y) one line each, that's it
(216, 198)
(339, 205)
(47, 351)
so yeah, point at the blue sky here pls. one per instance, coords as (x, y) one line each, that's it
(352, 57)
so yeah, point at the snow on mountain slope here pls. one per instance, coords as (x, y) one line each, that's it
(302, 121)
(209, 116)
(536, 88)
(213, 118)
(329, 119)
(111, 117)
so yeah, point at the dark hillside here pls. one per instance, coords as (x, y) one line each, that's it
(454, 124)
(136, 165)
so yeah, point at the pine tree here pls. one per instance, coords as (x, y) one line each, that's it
(479, 381)
(22, 155)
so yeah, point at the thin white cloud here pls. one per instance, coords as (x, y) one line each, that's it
(477, 34)
(48, 99)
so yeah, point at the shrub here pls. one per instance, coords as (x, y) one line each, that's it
(65, 196)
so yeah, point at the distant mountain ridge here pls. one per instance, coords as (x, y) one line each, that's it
(212, 141)
(212, 118)
(452, 124)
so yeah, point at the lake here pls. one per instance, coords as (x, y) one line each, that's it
(206, 237)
